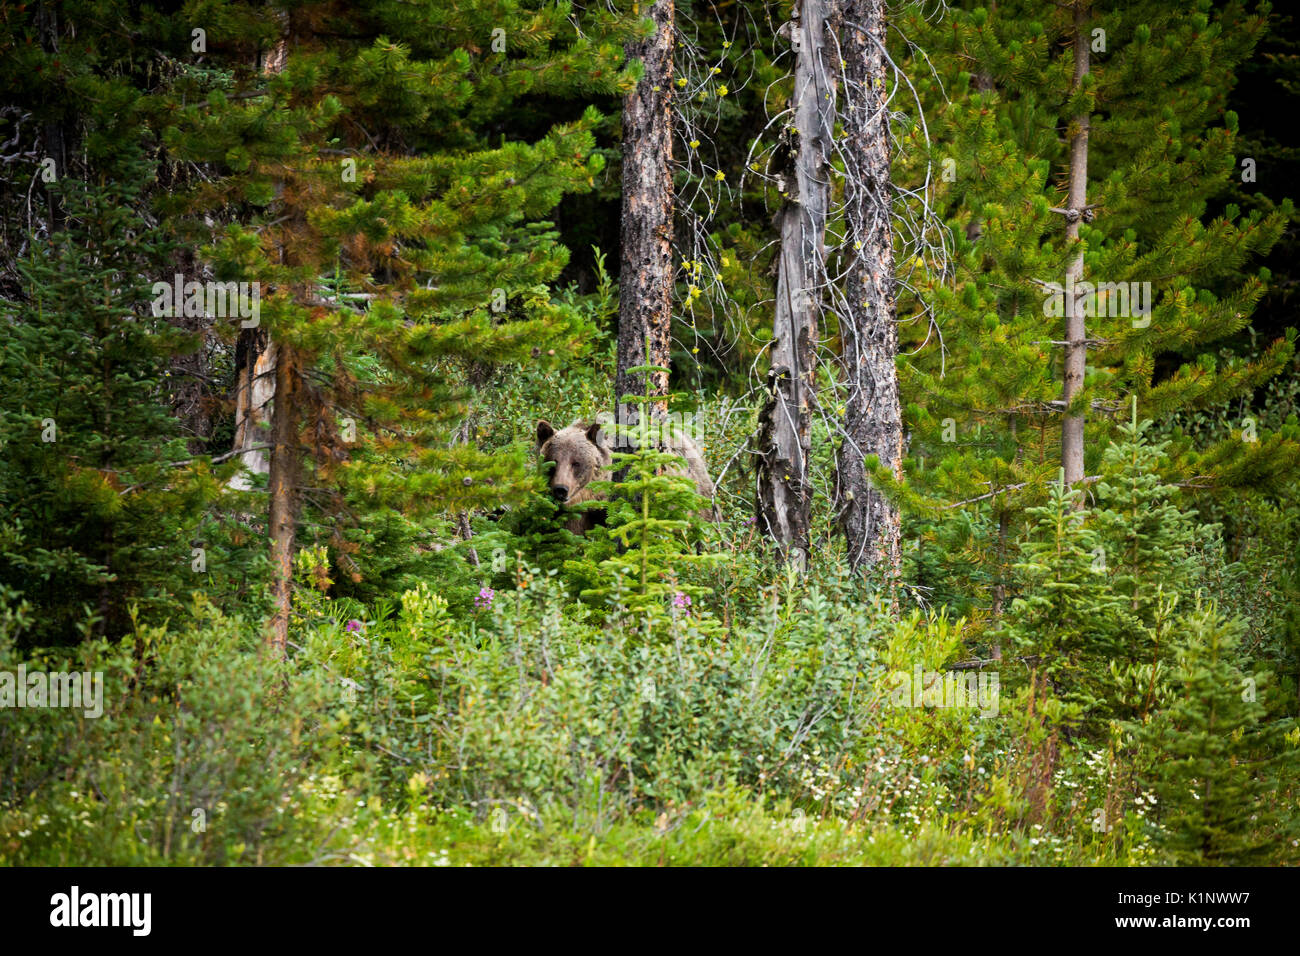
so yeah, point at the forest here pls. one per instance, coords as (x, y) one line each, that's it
(649, 432)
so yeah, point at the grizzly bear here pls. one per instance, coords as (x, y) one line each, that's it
(581, 454)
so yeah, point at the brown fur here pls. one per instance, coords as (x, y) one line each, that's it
(581, 455)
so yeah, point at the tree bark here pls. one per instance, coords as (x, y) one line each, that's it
(784, 492)
(254, 389)
(872, 415)
(646, 274)
(1076, 348)
(282, 483)
(283, 486)
(254, 350)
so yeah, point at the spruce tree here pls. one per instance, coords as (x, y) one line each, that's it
(649, 522)
(1098, 589)
(1060, 622)
(101, 506)
(1147, 543)
(1212, 758)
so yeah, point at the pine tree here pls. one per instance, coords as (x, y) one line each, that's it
(868, 324)
(1098, 588)
(1147, 543)
(396, 235)
(984, 384)
(646, 277)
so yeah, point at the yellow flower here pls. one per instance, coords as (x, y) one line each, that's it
(723, 91)
(695, 144)
(719, 175)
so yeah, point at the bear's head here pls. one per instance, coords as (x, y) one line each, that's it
(576, 456)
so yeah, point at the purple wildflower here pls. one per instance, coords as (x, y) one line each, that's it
(354, 625)
(681, 600)
(484, 599)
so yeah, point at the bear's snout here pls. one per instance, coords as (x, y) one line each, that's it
(571, 459)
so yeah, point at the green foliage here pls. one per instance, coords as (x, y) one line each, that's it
(649, 522)
(196, 758)
(101, 507)
(1100, 586)
(983, 377)
(1060, 618)
(1214, 759)
(529, 708)
(470, 683)
(405, 237)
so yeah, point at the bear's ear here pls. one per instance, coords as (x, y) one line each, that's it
(594, 435)
(544, 431)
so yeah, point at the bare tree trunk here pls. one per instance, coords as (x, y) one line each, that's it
(873, 421)
(784, 492)
(254, 389)
(1076, 348)
(283, 485)
(254, 351)
(646, 276)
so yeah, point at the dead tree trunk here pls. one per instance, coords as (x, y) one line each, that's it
(254, 389)
(254, 351)
(784, 491)
(1076, 211)
(872, 416)
(646, 275)
(282, 483)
